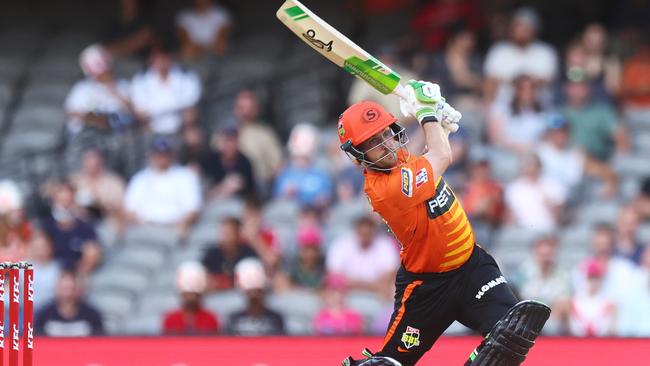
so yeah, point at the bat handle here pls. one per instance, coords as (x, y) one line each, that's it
(400, 91)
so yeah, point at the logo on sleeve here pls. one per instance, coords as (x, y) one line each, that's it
(441, 201)
(421, 177)
(407, 182)
(411, 338)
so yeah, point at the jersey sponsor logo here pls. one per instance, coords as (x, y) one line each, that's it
(411, 338)
(485, 288)
(441, 201)
(421, 177)
(407, 182)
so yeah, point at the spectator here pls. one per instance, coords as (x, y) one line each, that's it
(257, 140)
(635, 322)
(130, 33)
(301, 180)
(194, 148)
(618, 271)
(15, 228)
(260, 235)
(361, 90)
(68, 315)
(594, 125)
(345, 174)
(642, 200)
(75, 240)
(163, 193)
(585, 59)
(535, 202)
(636, 78)
(433, 20)
(48, 270)
(458, 69)
(566, 163)
(627, 244)
(99, 101)
(308, 271)
(256, 319)
(523, 54)
(335, 318)
(165, 96)
(227, 170)
(205, 28)
(483, 200)
(221, 259)
(192, 318)
(519, 124)
(366, 260)
(541, 278)
(99, 191)
(600, 66)
(593, 313)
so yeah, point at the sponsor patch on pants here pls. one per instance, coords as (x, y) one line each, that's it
(411, 337)
(485, 288)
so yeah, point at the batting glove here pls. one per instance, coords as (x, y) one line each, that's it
(424, 102)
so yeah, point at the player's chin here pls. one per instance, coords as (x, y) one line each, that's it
(389, 161)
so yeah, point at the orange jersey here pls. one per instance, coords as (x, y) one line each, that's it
(425, 216)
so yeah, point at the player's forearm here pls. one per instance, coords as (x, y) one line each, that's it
(439, 150)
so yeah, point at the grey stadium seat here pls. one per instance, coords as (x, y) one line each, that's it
(117, 278)
(576, 236)
(31, 142)
(42, 118)
(112, 303)
(632, 166)
(203, 235)
(146, 258)
(217, 210)
(159, 302)
(644, 234)
(367, 304)
(300, 303)
(278, 212)
(600, 211)
(164, 281)
(513, 236)
(225, 303)
(151, 235)
(297, 325)
(143, 324)
(346, 213)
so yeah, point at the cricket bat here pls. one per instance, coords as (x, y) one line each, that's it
(338, 48)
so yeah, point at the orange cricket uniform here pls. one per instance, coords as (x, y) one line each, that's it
(425, 216)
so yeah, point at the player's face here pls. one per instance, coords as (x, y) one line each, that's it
(381, 149)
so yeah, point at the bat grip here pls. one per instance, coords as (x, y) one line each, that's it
(400, 91)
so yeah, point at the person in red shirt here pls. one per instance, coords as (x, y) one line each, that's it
(191, 318)
(445, 276)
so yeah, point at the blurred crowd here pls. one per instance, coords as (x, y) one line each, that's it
(550, 131)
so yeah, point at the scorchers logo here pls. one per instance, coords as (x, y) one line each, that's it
(489, 285)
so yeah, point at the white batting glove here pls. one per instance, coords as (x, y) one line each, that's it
(423, 100)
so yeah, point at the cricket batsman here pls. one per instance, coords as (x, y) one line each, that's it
(444, 275)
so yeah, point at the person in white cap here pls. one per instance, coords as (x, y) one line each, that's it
(98, 100)
(256, 319)
(192, 317)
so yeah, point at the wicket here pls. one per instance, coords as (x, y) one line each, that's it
(14, 305)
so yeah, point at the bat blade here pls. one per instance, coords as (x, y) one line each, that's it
(338, 48)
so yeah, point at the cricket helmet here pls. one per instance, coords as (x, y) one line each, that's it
(363, 120)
